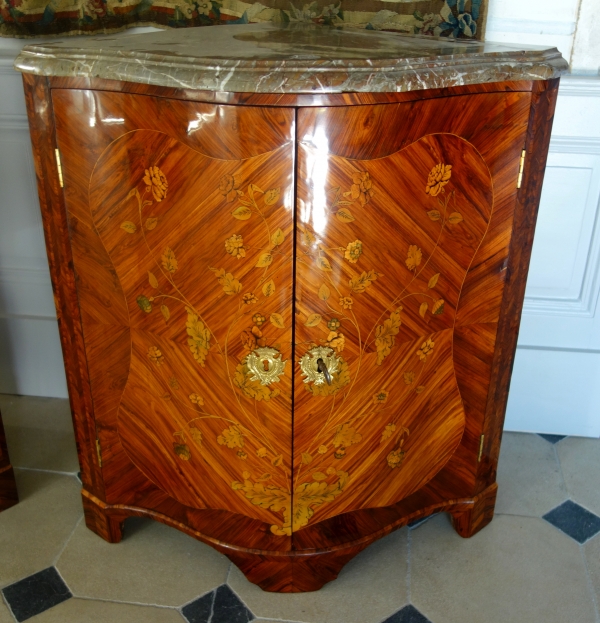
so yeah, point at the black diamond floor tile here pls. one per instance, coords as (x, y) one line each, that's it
(408, 614)
(551, 438)
(220, 606)
(574, 520)
(200, 610)
(228, 608)
(36, 594)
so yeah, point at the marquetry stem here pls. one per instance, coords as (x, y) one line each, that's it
(470, 522)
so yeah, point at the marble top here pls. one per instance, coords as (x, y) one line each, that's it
(290, 58)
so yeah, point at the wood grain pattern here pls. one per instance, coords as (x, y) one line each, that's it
(115, 261)
(8, 487)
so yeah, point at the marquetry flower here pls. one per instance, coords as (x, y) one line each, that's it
(414, 257)
(380, 397)
(156, 182)
(322, 449)
(258, 319)
(409, 377)
(242, 455)
(438, 177)
(249, 299)
(353, 251)
(227, 187)
(235, 246)
(156, 356)
(196, 435)
(182, 450)
(361, 189)
(346, 435)
(261, 453)
(333, 324)
(231, 437)
(426, 349)
(394, 458)
(336, 341)
(340, 453)
(196, 399)
(346, 302)
(252, 338)
(387, 432)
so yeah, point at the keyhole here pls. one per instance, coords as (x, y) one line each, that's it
(322, 368)
(265, 365)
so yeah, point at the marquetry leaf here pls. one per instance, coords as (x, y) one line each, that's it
(277, 237)
(423, 309)
(253, 188)
(264, 477)
(363, 281)
(319, 476)
(271, 196)
(265, 259)
(196, 435)
(324, 292)
(385, 335)
(438, 307)
(168, 260)
(151, 223)
(345, 436)
(414, 257)
(277, 461)
(242, 213)
(307, 238)
(433, 281)
(230, 284)
(277, 321)
(269, 288)
(144, 303)
(152, 280)
(323, 263)
(232, 437)
(246, 475)
(455, 217)
(129, 227)
(434, 215)
(198, 336)
(345, 215)
(165, 312)
(306, 458)
(420, 389)
(313, 320)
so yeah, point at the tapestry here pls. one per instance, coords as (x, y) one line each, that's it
(445, 18)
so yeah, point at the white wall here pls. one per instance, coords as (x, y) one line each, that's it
(556, 380)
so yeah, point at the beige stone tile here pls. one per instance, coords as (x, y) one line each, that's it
(89, 611)
(516, 570)
(592, 554)
(371, 587)
(33, 532)
(580, 461)
(529, 479)
(5, 615)
(39, 433)
(153, 564)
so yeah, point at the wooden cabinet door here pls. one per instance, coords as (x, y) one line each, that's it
(181, 228)
(398, 287)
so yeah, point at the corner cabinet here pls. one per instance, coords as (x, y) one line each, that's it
(288, 320)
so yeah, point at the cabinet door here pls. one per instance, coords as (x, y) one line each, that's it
(181, 224)
(397, 296)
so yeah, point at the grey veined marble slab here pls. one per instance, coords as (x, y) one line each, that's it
(292, 58)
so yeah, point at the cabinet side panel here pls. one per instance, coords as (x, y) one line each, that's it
(58, 247)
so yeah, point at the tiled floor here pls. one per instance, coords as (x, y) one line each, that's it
(537, 562)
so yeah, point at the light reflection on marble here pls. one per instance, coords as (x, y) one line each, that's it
(292, 58)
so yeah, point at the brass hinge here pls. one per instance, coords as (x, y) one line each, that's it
(521, 168)
(480, 448)
(59, 166)
(99, 452)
